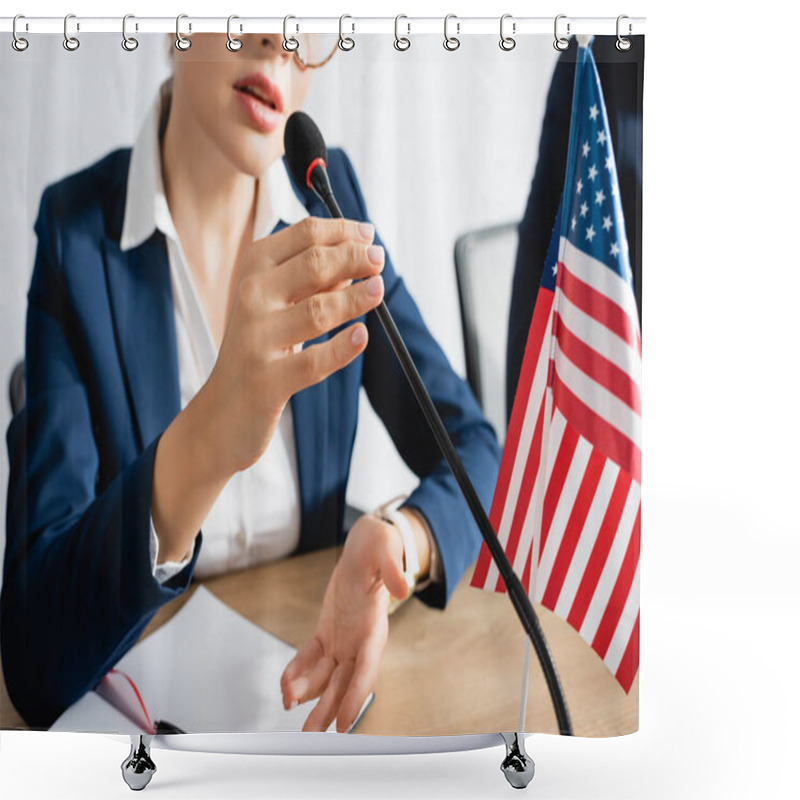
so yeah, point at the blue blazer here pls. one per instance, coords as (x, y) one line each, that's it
(102, 385)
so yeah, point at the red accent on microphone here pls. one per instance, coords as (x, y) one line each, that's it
(315, 163)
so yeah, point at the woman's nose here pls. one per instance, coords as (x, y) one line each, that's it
(267, 45)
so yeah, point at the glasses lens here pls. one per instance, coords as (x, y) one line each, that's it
(316, 47)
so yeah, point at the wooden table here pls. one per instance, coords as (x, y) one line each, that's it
(456, 671)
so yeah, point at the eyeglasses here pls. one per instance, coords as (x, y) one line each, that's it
(315, 50)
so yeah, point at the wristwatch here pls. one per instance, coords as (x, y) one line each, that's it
(389, 512)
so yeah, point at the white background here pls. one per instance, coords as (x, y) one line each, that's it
(719, 697)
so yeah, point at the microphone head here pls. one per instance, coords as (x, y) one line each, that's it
(303, 144)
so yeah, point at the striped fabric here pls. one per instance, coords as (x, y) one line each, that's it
(569, 488)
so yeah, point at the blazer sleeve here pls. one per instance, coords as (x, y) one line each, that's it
(77, 583)
(437, 496)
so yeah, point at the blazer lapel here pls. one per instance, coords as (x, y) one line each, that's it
(140, 296)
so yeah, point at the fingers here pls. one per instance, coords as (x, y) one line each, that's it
(315, 363)
(309, 669)
(325, 710)
(311, 232)
(309, 683)
(365, 675)
(323, 312)
(320, 268)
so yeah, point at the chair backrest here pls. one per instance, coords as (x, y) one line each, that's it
(16, 387)
(484, 270)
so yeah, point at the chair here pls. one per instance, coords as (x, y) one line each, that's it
(16, 387)
(484, 262)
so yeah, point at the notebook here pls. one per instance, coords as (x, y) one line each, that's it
(207, 670)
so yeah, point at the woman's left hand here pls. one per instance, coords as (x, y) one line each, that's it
(339, 664)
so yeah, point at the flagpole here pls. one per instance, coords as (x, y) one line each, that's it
(536, 542)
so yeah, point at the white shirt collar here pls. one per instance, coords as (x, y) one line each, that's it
(146, 208)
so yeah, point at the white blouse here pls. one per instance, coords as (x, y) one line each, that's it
(256, 517)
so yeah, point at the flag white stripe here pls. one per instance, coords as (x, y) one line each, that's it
(566, 500)
(588, 537)
(602, 279)
(603, 341)
(605, 404)
(622, 634)
(608, 577)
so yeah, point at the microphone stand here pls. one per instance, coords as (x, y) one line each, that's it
(318, 179)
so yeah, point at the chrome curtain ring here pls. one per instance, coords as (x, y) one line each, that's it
(451, 42)
(233, 44)
(507, 42)
(128, 42)
(560, 43)
(70, 42)
(18, 43)
(290, 44)
(623, 44)
(401, 42)
(181, 42)
(346, 42)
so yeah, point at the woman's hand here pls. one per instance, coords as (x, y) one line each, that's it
(293, 286)
(339, 664)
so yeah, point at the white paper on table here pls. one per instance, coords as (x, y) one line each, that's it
(207, 670)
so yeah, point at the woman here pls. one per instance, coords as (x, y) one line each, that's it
(196, 341)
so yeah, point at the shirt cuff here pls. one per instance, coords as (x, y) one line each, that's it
(163, 572)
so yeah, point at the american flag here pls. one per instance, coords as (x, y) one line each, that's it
(569, 488)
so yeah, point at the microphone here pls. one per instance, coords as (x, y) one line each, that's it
(306, 156)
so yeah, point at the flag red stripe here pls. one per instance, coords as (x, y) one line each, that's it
(536, 336)
(569, 441)
(629, 665)
(572, 531)
(616, 602)
(612, 442)
(599, 554)
(598, 368)
(599, 307)
(523, 499)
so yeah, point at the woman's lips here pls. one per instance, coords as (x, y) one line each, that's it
(261, 101)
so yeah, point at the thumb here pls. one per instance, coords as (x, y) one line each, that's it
(391, 571)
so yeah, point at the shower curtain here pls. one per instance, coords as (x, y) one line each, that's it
(147, 209)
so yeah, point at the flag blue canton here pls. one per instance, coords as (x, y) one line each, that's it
(593, 221)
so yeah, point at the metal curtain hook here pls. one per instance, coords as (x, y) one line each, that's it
(401, 42)
(233, 44)
(290, 44)
(18, 43)
(507, 42)
(560, 42)
(623, 44)
(346, 42)
(451, 42)
(181, 42)
(128, 42)
(70, 42)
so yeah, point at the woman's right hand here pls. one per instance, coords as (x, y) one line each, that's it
(293, 286)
